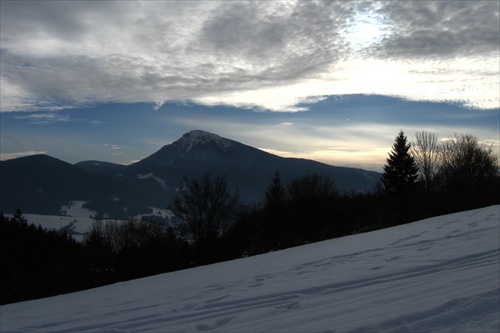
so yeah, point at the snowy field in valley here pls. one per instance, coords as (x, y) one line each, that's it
(76, 219)
(439, 274)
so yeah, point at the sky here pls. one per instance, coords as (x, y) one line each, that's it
(333, 81)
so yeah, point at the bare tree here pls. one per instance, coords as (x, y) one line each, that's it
(311, 186)
(206, 209)
(425, 151)
(118, 236)
(466, 163)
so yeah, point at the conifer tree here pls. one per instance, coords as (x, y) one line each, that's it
(275, 194)
(400, 172)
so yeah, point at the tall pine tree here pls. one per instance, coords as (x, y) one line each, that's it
(400, 172)
(275, 194)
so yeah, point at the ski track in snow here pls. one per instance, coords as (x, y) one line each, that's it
(439, 274)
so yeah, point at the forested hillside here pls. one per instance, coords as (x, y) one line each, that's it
(211, 224)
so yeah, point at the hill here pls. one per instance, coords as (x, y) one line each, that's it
(247, 169)
(41, 184)
(438, 274)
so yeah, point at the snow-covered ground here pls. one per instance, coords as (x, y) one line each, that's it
(439, 274)
(77, 220)
(74, 226)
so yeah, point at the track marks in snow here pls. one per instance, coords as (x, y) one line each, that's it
(258, 280)
(212, 316)
(467, 314)
(215, 325)
(407, 238)
(439, 274)
(219, 312)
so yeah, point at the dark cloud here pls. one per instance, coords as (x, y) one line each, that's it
(56, 18)
(61, 53)
(422, 29)
(285, 43)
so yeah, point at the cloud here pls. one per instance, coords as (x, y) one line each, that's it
(45, 118)
(263, 55)
(9, 156)
(425, 29)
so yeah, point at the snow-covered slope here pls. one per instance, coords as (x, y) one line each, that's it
(197, 137)
(439, 274)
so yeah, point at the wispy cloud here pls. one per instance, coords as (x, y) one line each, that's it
(45, 118)
(9, 156)
(270, 55)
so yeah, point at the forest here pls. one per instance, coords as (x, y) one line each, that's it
(424, 178)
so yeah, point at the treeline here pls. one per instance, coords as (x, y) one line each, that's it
(36, 262)
(420, 180)
(427, 178)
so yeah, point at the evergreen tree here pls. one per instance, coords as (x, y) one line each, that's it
(400, 172)
(275, 194)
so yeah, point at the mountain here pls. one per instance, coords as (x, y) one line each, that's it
(102, 168)
(248, 169)
(434, 275)
(43, 184)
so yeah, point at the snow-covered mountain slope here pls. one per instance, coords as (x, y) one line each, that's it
(439, 274)
(197, 137)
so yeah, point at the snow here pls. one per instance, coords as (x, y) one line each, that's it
(75, 208)
(439, 274)
(78, 226)
(197, 137)
(151, 175)
(144, 175)
(74, 226)
(74, 219)
(163, 213)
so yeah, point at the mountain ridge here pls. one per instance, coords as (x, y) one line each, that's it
(155, 180)
(247, 169)
(195, 137)
(43, 184)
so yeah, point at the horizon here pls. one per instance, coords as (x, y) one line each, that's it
(330, 81)
(5, 157)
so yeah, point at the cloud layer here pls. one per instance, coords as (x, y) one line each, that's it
(270, 55)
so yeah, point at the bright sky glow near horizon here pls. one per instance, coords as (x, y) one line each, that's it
(332, 81)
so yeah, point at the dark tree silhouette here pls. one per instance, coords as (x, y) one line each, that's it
(312, 202)
(311, 187)
(426, 151)
(206, 209)
(467, 164)
(400, 172)
(275, 194)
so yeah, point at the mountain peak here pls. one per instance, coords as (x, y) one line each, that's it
(198, 137)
